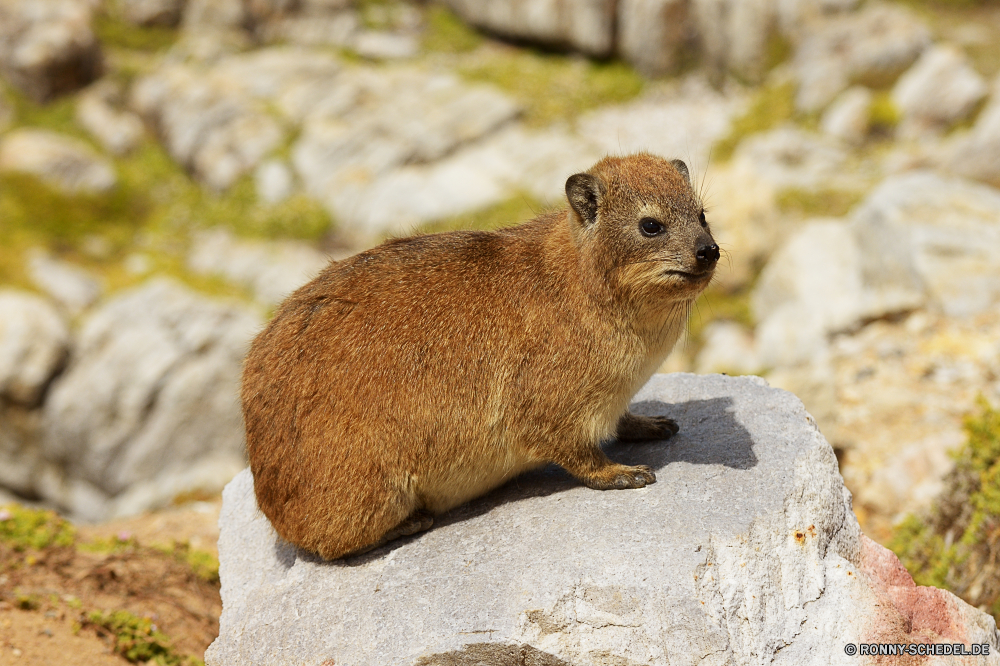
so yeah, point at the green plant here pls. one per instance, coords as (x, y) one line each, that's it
(809, 202)
(771, 106)
(22, 528)
(446, 33)
(516, 210)
(956, 544)
(137, 638)
(553, 87)
(883, 116)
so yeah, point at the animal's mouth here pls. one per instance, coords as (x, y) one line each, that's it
(690, 275)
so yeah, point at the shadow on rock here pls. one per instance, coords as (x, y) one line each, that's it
(709, 435)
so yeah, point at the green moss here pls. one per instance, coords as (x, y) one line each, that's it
(956, 544)
(772, 106)
(831, 202)
(22, 528)
(516, 210)
(137, 639)
(553, 87)
(446, 33)
(883, 116)
(58, 115)
(115, 32)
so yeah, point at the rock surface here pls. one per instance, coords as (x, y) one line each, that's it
(61, 161)
(71, 286)
(745, 551)
(149, 393)
(872, 47)
(939, 90)
(99, 111)
(47, 47)
(34, 340)
(977, 153)
(585, 25)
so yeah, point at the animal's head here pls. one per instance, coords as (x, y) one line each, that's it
(642, 228)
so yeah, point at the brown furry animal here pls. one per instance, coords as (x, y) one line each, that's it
(417, 375)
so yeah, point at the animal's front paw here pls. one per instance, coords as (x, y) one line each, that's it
(619, 477)
(635, 428)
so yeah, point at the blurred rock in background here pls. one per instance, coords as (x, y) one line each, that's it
(171, 169)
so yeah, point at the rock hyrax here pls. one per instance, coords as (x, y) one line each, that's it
(415, 376)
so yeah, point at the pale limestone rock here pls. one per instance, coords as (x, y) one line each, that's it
(383, 45)
(99, 111)
(728, 347)
(34, 340)
(745, 551)
(849, 116)
(165, 13)
(149, 393)
(274, 181)
(872, 47)
(653, 34)
(73, 287)
(735, 34)
(47, 47)
(976, 154)
(939, 90)
(61, 161)
(271, 270)
(584, 25)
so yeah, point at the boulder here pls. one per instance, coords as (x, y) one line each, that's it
(976, 154)
(47, 47)
(150, 392)
(727, 347)
(208, 123)
(274, 181)
(71, 286)
(583, 25)
(921, 232)
(63, 162)
(34, 340)
(791, 158)
(940, 89)
(872, 47)
(99, 110)
(735, 34)
(849, 116)
(271, 270)
(653, 34)
(744, 551)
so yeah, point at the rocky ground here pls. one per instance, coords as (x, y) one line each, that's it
(169, 170)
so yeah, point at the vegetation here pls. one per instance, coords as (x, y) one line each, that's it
(816, 202)
(553, 87)
(956, 545)
(137, 638)
(772, 106)
(516, 210)
(883, 116)
(446, 33)
(22, 528)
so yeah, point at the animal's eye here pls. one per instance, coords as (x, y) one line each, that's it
(701, 218)
(650, 227)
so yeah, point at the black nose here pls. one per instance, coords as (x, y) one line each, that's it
(708, 254)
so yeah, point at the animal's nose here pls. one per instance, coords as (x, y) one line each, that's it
(708, 254)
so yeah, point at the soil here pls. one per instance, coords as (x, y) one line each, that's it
(45, 596)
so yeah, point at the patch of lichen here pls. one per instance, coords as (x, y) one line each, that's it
(956, 544)
(515, 210)
(58, 115)
(883, 114)
(817, 202)
(22, 528)
(446, 33)
(137, 639)
(552, 87)
(113, 31)
(772, 105)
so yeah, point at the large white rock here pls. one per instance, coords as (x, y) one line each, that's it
(47, 47)
(153, 12)
(735, 33)
(939, 236)
(652, 34)
(71, 286)
(849, 116)
(976, 154)
(271, 270)
(584, 25)
(64, 162)
(34, 340)
(745, 551)
(872, 46)
(150, 391)
(939, 90)
(98, 110)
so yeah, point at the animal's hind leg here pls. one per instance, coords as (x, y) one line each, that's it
(418, 521)
(635, 428)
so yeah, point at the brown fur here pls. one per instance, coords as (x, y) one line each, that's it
(415, 376)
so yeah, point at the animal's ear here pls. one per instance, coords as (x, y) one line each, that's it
(682, 169)
(584, 192)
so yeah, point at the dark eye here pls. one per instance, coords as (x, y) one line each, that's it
(650, 227)
(701, 218)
